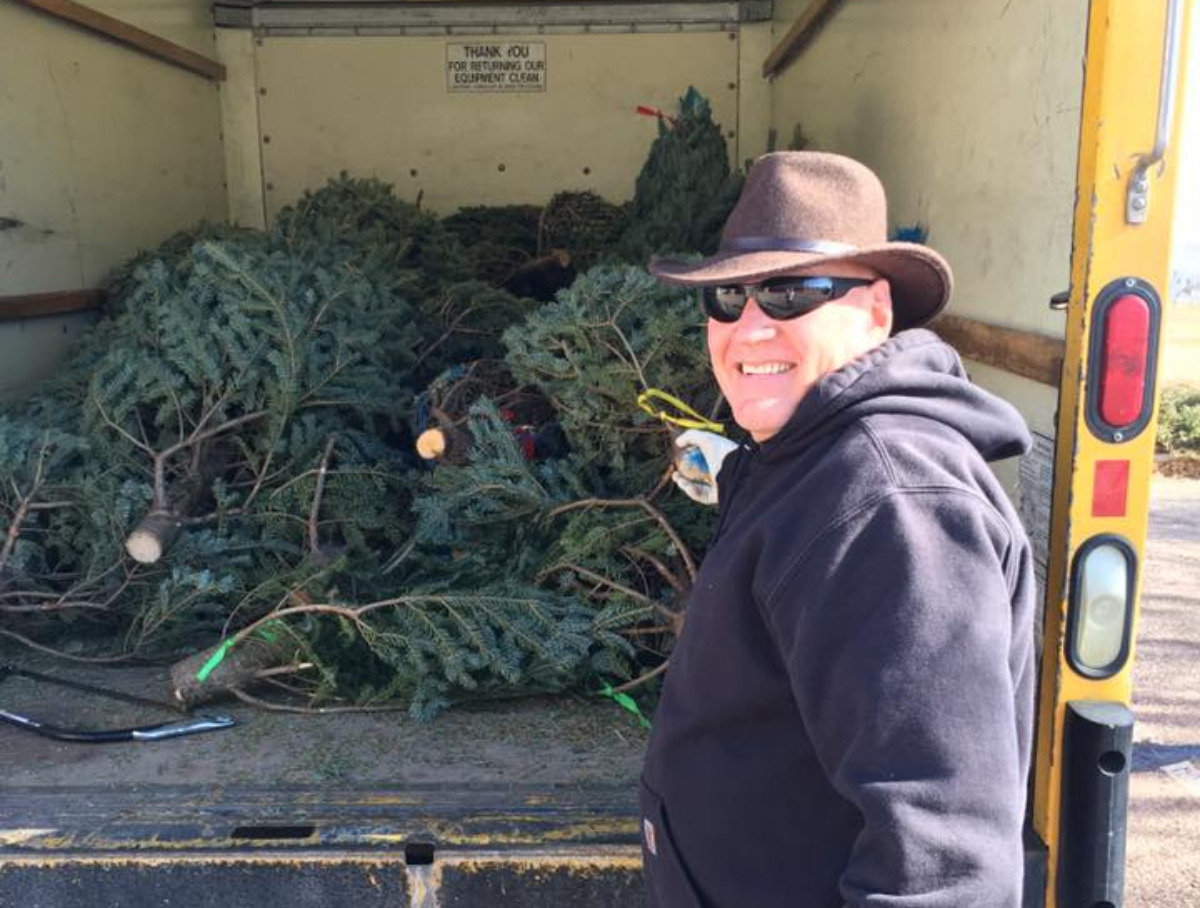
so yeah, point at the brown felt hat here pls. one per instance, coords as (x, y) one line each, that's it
(801, 209)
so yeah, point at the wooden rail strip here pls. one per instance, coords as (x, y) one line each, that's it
(1024, 353)
(62, 302)
(797, 35)
(130, 35)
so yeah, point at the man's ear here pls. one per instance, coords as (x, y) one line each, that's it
(881, 308)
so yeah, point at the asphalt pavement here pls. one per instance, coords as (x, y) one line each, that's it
(1163, 865)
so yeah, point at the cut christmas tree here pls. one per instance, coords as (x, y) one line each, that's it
(337, 463)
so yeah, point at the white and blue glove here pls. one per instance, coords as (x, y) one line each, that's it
(697, 463)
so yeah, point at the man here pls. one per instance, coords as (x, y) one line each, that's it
(847, 715)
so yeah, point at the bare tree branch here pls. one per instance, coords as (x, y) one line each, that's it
(642, 679)
(314, 539)
(14, 528)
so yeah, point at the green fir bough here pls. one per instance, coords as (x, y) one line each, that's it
(223, 471)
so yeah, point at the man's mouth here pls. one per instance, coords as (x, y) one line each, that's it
(765, 368)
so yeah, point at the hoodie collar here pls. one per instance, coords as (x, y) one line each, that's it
(912, 372)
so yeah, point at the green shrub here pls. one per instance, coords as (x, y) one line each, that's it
(1179, 419)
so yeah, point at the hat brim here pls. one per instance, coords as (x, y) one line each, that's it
(920, 279)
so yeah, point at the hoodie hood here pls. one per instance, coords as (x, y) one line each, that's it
(913, 373)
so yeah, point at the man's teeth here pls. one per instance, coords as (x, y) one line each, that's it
(765, 368)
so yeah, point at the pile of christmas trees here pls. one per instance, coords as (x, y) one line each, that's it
(225, 473)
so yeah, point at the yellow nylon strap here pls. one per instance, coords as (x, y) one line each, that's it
(684, 416)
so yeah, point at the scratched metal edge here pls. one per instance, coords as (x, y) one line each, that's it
(618, 857)
(183, 819)
(599, 877)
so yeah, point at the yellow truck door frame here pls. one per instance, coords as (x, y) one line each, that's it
(1136, 51)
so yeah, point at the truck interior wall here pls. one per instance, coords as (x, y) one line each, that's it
(103, 151)
(188, 23)
(970, 114)
(381, 106)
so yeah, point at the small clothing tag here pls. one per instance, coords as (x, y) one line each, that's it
(648, 835)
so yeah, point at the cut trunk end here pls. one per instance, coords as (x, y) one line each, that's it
(210, 673)
(152, 537)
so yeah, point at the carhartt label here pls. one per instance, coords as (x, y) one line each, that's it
(648, 833)
(496, 66)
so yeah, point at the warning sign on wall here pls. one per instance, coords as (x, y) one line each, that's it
(496, 66)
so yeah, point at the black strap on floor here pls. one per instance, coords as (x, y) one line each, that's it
(91, 689)
(157, 732)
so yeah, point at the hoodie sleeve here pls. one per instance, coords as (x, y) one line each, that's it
(895, 626)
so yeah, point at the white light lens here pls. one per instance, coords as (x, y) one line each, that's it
(1102, 602)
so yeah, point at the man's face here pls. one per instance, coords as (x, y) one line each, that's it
(765, 367)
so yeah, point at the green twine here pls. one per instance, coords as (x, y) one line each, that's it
(624, 701)
(218, 657)
(213, 661)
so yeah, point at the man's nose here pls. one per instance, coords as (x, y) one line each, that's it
(754, 324)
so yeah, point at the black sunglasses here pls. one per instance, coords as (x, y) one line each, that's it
(781, 298)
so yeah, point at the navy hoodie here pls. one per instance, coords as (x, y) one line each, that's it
(846, 719)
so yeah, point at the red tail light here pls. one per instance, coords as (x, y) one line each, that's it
(1123, 350)
(1123, 360)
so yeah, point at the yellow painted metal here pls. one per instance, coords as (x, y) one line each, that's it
(1120, 105)
(379, 106)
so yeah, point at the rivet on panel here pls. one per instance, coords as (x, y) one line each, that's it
(262, 91)
(266, 140)
(413, 172)
(586, 171)
(270, 186)
(501, 168)
(732, 86)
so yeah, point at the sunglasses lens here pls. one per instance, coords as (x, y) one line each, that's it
(781, 299)
(789, 298)
(724, 304)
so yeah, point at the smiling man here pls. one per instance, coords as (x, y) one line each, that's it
(847, 715)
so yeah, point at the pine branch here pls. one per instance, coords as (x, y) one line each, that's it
(602, 581)
(646, 506)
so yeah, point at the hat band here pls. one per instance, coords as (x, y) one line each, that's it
(786, 244)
